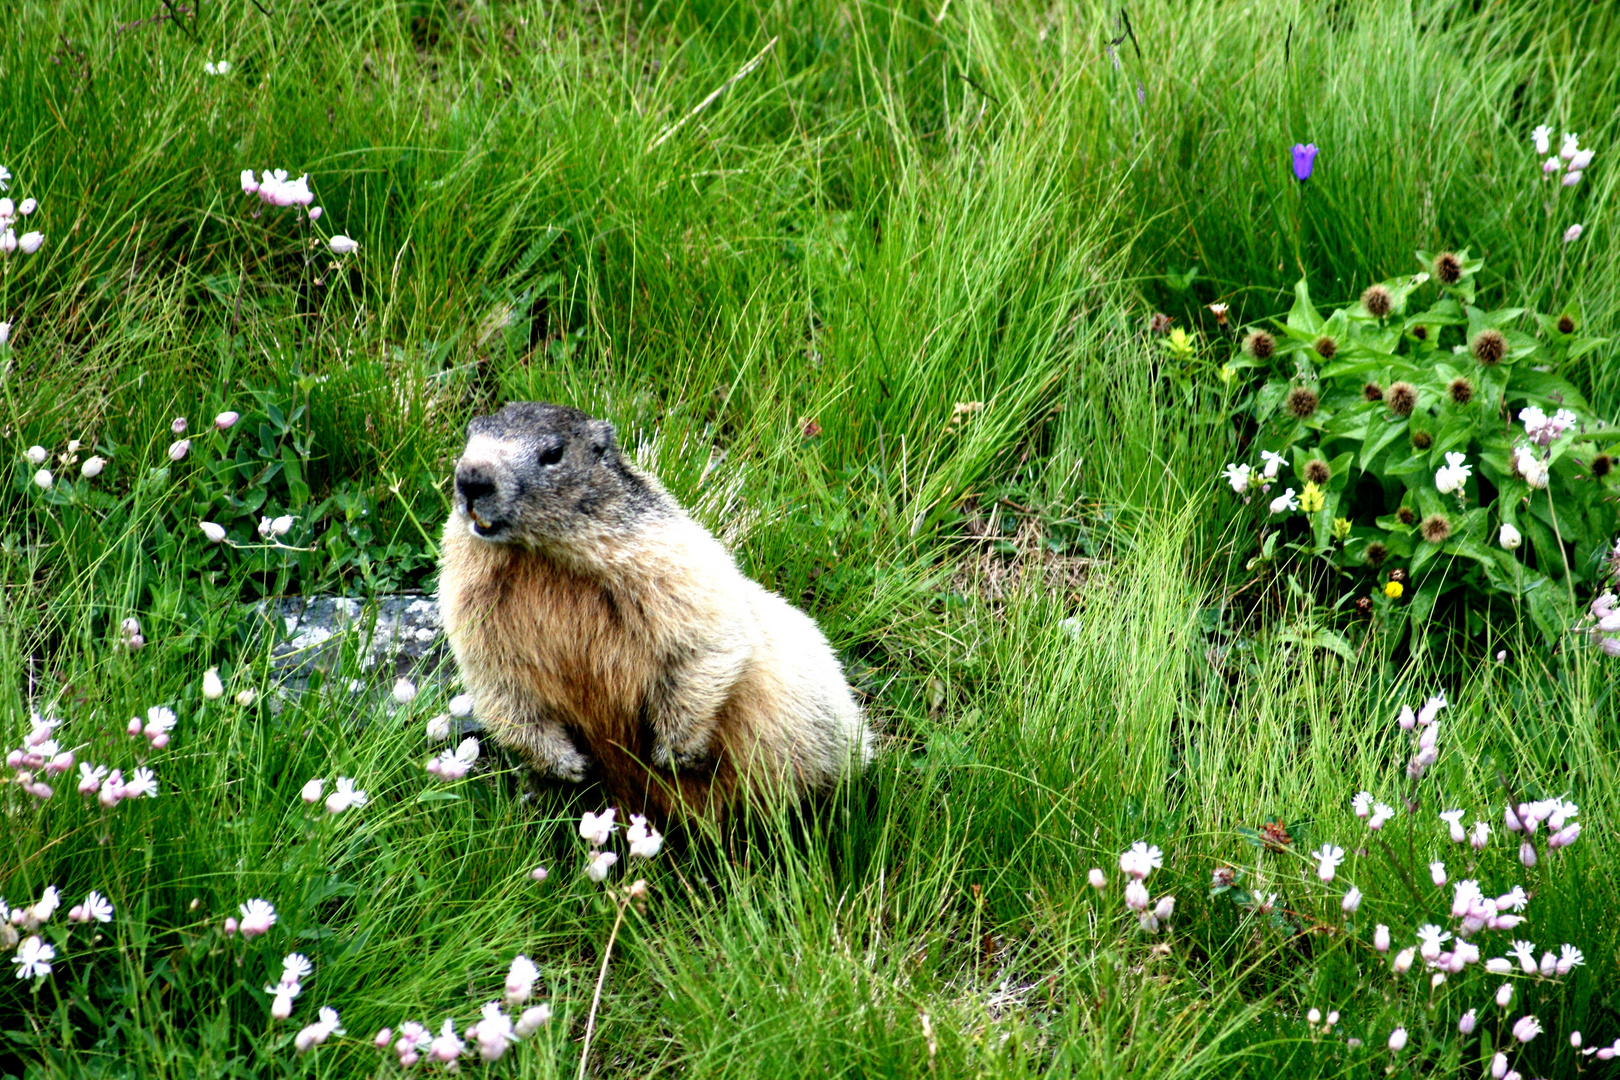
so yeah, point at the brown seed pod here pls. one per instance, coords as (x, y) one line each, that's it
(1317, 472)
(1566, 325)
(1420, 332)
(1422, 440)
(1602, 466)
(1377, 301)
(1326, 347)
(1405, 515)
(1402, 398)
(1461, 391)
(1435, 528)
(1447, 269)
(1376, 554)
(1302, 401)
(1364, 606)
(1260, 345)
(1400, 576)
(1489, 346)
(1373, 392)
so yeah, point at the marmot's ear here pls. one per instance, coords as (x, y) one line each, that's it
(601, 438)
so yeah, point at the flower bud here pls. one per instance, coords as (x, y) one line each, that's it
(36, 455)
(29, 242)
(178, 425)
(213, 687)
(44, 479)
(1097, 879)
(342, 245)
(215, 533)
(178, 450)
(92, 467)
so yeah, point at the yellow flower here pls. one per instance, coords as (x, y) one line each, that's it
(1180, 344)
(1393, 590)
(1341, 528)
(1311, 499)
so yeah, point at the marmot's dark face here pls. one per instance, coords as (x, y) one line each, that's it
(537, 475)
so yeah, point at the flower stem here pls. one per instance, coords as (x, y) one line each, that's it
(1569, 582)
(1406, 876)
(601, 980)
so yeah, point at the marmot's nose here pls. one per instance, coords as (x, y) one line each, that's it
(474, 483)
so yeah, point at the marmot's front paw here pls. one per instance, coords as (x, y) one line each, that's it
(569, 764)
(666, 756)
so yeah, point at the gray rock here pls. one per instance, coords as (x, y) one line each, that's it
(374, 641)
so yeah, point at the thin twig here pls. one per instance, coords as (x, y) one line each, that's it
(758, 59)
(181, 23)
(1569, 581)
(601, 980)
(1406, 876)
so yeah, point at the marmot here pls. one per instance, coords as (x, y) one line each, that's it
(598, 627)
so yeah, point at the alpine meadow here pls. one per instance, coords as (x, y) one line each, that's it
(1193, 425)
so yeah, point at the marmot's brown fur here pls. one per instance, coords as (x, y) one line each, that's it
(600, 629)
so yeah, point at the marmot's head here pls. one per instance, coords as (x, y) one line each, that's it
(538, 475)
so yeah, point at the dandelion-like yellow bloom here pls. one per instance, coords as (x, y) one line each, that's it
(1311, 499)
(1393, 590)
(1180, 344)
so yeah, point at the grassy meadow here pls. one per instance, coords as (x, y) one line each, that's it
(878, 312)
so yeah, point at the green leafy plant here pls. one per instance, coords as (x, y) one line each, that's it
(1425, 448)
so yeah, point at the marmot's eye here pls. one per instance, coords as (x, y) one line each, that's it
(552, 455)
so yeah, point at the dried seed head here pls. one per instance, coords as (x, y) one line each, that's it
(1461, 391)
(1602, 466)
(1400, 577)
(1377, 301)
(1317, 472)
(1376, 554)
(1436, 528)
(1405, 515)
(1420, 332)
(1489, 346)
(1373, 392)
(1422, 440)
(1402, 398)
(1160, 323)
(1566, 325)
(1260, 345)
(1302, 401)
(1447, 270)
(1326, 347)
(1364, 606)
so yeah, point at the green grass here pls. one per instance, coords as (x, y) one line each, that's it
(898, 211)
